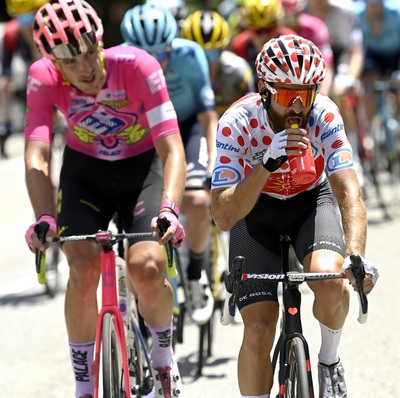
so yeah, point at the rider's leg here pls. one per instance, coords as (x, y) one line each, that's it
(81, 310)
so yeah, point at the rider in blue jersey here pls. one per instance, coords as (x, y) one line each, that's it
(186, 70)
(380, 25)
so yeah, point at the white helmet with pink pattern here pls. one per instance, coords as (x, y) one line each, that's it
(66, 28)
(290, 59)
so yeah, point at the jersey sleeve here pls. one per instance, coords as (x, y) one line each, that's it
(40, 99)
(336, 147)
(150, 86)
(229, 164)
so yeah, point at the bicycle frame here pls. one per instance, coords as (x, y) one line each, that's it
(109, 301)
(109, 305)
(291, 329)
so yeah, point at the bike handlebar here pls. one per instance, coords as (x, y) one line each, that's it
(105, 239)
(236, 276)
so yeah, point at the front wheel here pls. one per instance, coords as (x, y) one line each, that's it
(296, 382)
(112, 360)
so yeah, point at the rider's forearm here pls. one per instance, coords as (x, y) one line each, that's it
(172, 154)
(37, 178)
(352, 210)
(354, 221)
(232, 204)
(209, 121)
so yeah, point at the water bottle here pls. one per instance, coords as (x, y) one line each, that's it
(302, 167)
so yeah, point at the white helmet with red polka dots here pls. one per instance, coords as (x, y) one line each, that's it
(290, 59)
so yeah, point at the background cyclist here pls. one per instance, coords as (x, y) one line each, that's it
(185, 66)
(259, 21)
(312, 28)
(346, 41)
(380, 25)
(255, 197)
(231, 75)
(123, 152)
(17, 39)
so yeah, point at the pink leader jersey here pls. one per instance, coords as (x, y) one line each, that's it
(244, 135)
(132, 110)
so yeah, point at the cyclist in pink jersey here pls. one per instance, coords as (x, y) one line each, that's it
(314, 29)
(123, 154)
(255, 197)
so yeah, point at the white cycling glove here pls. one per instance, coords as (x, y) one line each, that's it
(275, 155)
(368, 267)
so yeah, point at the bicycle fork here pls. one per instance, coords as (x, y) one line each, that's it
(109, 305)
(292, 328)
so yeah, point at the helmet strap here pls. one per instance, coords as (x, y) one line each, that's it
(265, 98)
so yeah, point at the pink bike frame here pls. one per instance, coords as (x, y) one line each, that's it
(109, 305)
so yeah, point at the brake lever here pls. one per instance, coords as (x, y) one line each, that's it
(357, 267)
(40, 257)
(163, 224)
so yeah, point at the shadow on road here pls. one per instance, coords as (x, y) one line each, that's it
(33, 298)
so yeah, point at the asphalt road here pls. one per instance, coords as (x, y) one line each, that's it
(34, 359)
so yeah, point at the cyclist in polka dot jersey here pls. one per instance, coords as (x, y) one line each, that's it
(255, 197)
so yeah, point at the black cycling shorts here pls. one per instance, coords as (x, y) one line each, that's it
(195, 144)
(92, 190)
(309, 218)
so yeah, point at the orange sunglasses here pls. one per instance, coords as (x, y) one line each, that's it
(286, 96)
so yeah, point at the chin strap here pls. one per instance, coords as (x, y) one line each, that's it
(265, 101)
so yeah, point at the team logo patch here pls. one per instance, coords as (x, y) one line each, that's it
(225, 175)
(340, 159)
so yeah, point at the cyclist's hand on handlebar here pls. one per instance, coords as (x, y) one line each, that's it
(371, 274)
(32, 238)
(174, 232)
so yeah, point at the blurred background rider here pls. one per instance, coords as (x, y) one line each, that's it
(154, 29)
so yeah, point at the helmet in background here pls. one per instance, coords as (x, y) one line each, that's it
(177, 7)
(256, 14)
(208, 28)
(66, 28)
(290, 59)
(149, 27)
(18, 7)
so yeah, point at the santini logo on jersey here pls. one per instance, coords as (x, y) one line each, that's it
(330, 132)
(227, 146)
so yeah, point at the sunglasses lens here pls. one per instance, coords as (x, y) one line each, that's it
(287, 97)
(161, 56)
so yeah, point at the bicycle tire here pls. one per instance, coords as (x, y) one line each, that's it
(386, 166)
(52, 272)
(112, 360)
(296, 382)
(206, 338)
